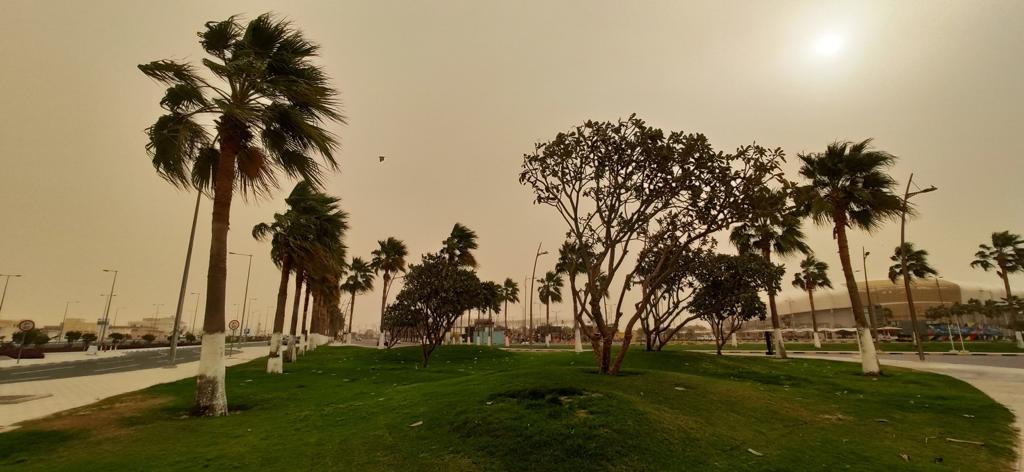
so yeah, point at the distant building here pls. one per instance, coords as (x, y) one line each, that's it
(832, 306)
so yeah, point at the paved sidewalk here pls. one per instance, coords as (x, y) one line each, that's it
(62, 394)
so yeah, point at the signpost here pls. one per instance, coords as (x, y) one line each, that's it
(233, 325)
(24, 326)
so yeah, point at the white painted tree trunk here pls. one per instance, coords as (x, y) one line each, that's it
(868, 356)
(293, 348)
(817, 340)
(508, 342)
(1020, 339)
(577, 342)
(382, 339)
(211, 373)
(275, 365)
(302, 346)
(733, 341)
(490, 337)
(547, 340)
(780, 343)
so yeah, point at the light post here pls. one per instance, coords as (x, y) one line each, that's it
(184, 282)
(106, 311)
(251, 300)
(65, 318)
(245, 296)
(903, 262)
(6, 281)
(532, 278)
(195, 311)
(156, 315)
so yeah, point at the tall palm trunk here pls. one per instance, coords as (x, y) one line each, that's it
(382, 343)
(274, 364)
(351, 311)
(305, 310)
(868, 356)
(577, 341)
(507, 342)
(289, 355)
(1014, 323)
(211, 399)
(777, 341)
(814, 321)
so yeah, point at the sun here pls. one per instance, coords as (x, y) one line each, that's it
(828, 45)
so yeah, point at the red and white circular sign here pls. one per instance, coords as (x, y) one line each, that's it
(233, 325)
(26, 325)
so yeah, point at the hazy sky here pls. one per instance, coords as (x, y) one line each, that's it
(455, 92)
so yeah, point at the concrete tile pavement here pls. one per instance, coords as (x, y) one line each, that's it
(73, 392)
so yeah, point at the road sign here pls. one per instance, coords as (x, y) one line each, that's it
(26, 325)
(233, 325)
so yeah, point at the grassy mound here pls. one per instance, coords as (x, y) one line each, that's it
(484, 409)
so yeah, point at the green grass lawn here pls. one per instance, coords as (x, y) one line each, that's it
(485, 409)
(929, 346)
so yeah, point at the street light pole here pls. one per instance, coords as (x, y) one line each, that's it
(532, 278)
(245, 297)
(7, 281)
(195, 311)
(106, 311)
(903, 263)
(65, 318)
(184, 281)
(867, 290)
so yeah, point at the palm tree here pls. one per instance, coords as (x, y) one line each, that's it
(550, 290)
(573, 259)
(849, 188)
(1006, 256)
(776, 229)
(301, 241)
(268, 105)
(812, 276)
(458, 247)
(509, 293)
(916, 268)
(359, 280)
(389, 259)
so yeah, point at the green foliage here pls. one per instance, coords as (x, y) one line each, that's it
(916, 261)
(73, 336)
(269, 101)
(149, 338)
(1005, 255)
(33, 337)
(550, 288)
(728, 287)
(89, 338)
(849, 186)
(458, 247)
(813, 275)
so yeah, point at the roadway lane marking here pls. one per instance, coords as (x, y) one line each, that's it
(44, 370)
(115, 368)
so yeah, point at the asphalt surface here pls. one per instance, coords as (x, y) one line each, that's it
(143, 359)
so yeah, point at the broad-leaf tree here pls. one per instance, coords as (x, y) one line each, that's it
(813, 275)
(727, 292)
(388, 260)
(615, 185)
(848, 186)
(435, 293)
(260, 108)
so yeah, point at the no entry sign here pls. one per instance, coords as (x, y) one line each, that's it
(233, 325)
(26, 325)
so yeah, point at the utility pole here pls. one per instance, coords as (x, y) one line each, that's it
(867, 290)
(7, 281)
(903, 263)
(106, 311)
(184, 281)
(65, 318)
(532, 279)
(245, 297)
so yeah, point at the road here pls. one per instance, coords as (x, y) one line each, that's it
(142, 359)
(1015, 362)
